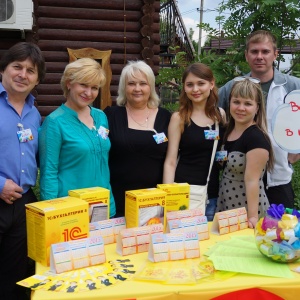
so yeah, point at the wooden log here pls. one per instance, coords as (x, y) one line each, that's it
(146, 31)
(57, 56)
(88, 13)
(88, 35)
(111, 4)
(149, 1)
(46, 110)
(49, 89)
(148, 9)
(60, 45)
(147, 20)
(45, 100)
(105, 25)
(147, 42)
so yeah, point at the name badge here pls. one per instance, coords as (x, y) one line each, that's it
(160, 138)
(221, 155)
(25, 135)
(211, 134)
(103, 132)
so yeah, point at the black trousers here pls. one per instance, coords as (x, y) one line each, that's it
(281, 194)
(13, 247)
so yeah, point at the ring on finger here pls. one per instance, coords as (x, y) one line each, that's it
(12, 199)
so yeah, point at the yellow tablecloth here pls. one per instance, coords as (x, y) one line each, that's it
(288, 289)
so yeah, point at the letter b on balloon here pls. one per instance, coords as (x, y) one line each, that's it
(286, 123)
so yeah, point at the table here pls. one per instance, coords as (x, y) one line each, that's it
(288, 289)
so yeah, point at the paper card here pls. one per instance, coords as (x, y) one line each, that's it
(198, 224)
(229, 221)
(137, 239)
(108, 229)
(181, 214)
(173, 246)
(119, 224)
(77, 254)
(37, 282)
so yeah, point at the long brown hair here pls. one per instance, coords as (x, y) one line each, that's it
(249, 90)
(186, 107)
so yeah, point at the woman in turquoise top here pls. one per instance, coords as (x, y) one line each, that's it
(73, 140)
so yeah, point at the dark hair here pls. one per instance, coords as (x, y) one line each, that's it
(211, 109)
(22, 51)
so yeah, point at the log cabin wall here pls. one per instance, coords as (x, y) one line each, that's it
(129, 28)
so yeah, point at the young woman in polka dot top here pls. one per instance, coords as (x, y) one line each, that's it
(249, 151)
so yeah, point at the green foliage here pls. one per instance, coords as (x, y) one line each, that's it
(171, 106)
(174, 73)
(222, 66)
(296, 183)
(36, 188)
(281, 17)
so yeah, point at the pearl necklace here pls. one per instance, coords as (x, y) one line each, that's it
(145, 123)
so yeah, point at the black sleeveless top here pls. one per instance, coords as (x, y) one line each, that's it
(195, 154)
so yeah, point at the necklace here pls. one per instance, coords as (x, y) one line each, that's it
(145, 123)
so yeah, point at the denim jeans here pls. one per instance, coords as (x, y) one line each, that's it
(211, 208)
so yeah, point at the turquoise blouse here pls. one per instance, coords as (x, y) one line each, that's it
(72, 156)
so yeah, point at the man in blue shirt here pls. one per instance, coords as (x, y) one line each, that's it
(22, 67)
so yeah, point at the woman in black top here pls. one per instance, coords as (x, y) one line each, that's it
(198, 113)
(249, 151)
(138, 134)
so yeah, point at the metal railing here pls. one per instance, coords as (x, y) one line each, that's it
(173, 31)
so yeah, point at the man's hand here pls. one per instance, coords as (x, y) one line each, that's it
(292, 158)
(11, 192)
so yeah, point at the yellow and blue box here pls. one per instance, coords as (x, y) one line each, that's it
(54, 221)
(98, 200)
(178, 195)
(145, 207)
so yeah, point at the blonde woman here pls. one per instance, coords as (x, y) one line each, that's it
(73, 140)
(138, 133)
(249, 151)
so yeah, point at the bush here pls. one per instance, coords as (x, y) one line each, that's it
(296, 183)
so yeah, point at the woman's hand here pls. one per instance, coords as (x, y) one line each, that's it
(252, 222)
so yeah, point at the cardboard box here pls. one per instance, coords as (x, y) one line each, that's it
(98, 199)
(178, 195)
(54, 221)
(145, 207)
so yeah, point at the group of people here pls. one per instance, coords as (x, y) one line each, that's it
(136, 143)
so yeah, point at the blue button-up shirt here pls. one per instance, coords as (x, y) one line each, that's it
(18, 160)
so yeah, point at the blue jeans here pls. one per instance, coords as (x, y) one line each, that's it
(211, 208)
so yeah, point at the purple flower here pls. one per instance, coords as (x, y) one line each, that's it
(276, 211)
(296, 213)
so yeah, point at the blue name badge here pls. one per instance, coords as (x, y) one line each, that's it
(211, 134)
(221, 156)
(25, 135)
(160, 138)
(103, 132)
